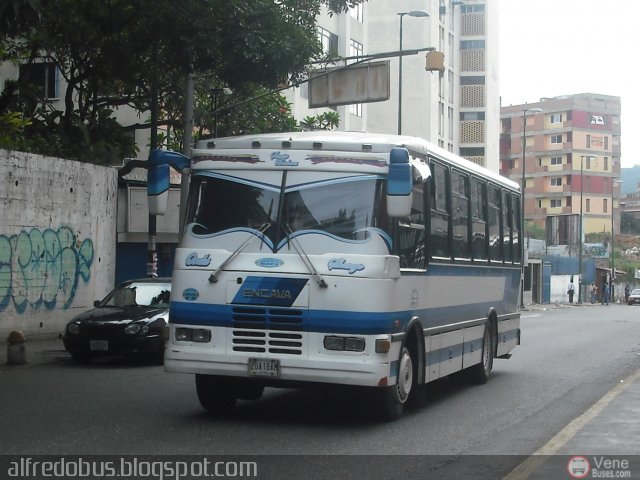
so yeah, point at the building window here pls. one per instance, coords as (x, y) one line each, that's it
(356, 49)
(604, 205)
(357, 12)
(556, 203)
(606, 142)
(606, 163)
(470, 116)
(41, 79)
(556, 139)
(556, 160)
(556, 118)
(556, 182)
(471, 44)
(588, 141)
(587, 205)
(329, 41)
(472, 152)
(472, 80)
(472, 8)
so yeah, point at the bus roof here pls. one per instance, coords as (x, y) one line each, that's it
(347, 142)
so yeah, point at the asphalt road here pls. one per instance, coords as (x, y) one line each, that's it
(568, 359)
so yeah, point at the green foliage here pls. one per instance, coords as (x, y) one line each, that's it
(322, 121)
(122, 53)
(532, 230)
(12, 124)
(597, 237)
(628, 264)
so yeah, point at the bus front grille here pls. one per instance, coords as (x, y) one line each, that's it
(267, 330)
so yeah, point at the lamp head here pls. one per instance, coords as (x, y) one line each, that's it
(415, 13)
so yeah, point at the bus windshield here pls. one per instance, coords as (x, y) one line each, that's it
(342, 208)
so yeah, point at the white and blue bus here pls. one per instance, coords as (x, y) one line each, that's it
(377, 261)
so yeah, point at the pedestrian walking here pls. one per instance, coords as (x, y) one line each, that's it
(605, 294)
(571, 288)
(594, 293)
(627, 290)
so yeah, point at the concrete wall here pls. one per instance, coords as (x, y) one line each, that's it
(57, 240)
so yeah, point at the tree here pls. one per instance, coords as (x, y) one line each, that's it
(322, 121)
(112, 52)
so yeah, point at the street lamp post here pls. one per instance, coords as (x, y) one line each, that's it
(412, 13)
(522, 194)
(582, 157)
(614, 182)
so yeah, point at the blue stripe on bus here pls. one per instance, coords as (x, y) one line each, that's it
(329, 321)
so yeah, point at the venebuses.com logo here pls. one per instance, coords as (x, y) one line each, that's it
(599, 467)
(578, 467)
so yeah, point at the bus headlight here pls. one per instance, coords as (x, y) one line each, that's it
(334, 343)
(183, 334)
(199, 335)
(349, 344)
(354, 344)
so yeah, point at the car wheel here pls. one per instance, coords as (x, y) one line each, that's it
(217, 395)
(391, 400)
(479, 373)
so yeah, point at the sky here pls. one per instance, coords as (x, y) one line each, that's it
(563, 47)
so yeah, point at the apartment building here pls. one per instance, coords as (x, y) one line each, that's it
(343, 35)
(458, 109)
(566, 151)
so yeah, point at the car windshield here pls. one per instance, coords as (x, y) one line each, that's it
(139, 294)
(636, 291)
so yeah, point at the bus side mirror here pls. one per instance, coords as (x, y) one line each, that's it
(399, 183)
(158, 178)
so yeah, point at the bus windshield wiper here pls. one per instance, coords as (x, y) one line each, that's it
(305, 259)
(213, 278)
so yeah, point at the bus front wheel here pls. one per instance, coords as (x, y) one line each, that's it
(391, 400)
(216, 394)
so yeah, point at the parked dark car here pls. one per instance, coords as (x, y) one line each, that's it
(129, 321)
(634, 297)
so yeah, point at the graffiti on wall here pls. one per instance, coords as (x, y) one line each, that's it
(42, 268)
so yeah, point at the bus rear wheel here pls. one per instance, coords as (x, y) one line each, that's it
(391, 400)
(480, 372)
(217, 395)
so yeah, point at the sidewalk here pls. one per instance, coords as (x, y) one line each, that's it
(559, 305)
(39, 352)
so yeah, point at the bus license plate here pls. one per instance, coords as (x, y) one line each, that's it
(264, 367)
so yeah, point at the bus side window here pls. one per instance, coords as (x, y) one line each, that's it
(478, 219)
(495, 236)
(517, 235)
(439, 212)
(460, 217)
(507, 222)
(411, 232)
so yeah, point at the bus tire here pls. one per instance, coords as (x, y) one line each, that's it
(217, 395)
(248, 390)
(391, 400)
(479, 373)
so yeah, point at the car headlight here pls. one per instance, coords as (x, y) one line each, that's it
(132, 328)
(73, 328)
